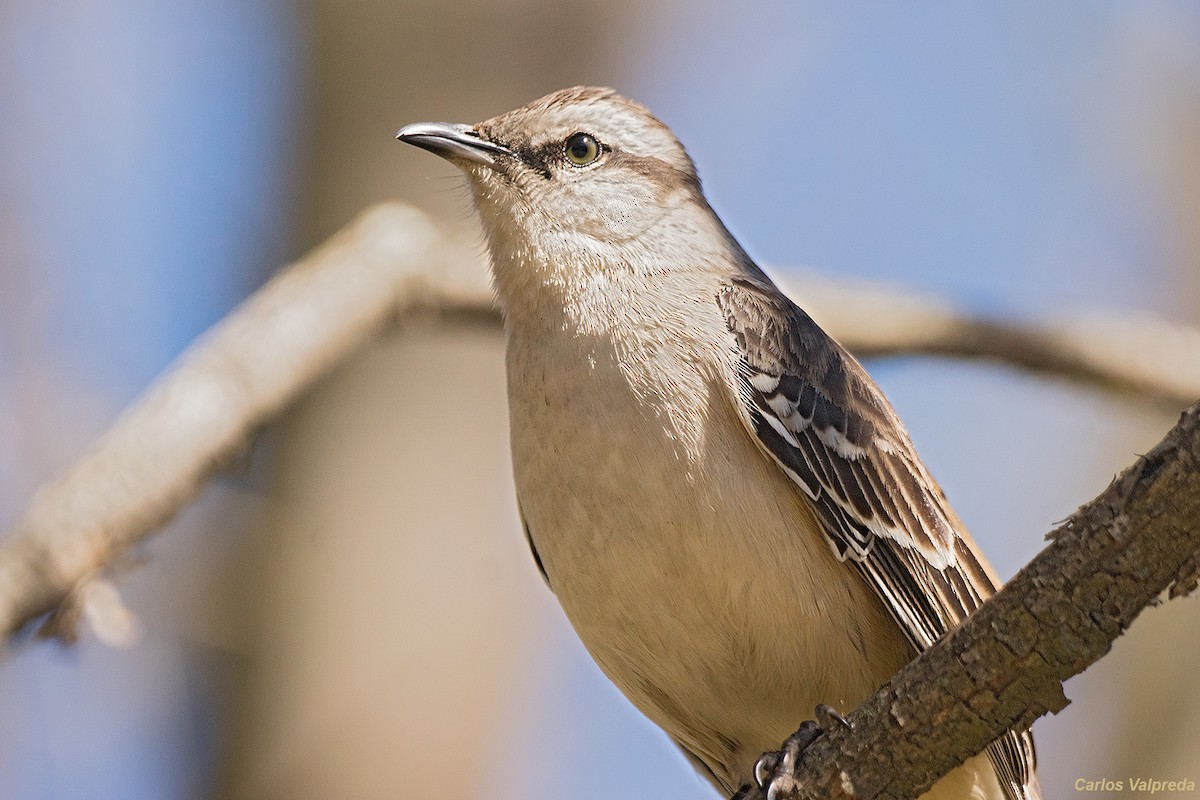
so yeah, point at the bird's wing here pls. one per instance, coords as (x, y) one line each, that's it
(820, 417)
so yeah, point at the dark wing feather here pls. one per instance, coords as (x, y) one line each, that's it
(819, 415)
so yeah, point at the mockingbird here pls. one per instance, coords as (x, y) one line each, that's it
(728, 509)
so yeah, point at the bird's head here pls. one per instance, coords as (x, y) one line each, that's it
(582, 173)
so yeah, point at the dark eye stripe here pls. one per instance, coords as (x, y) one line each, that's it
(540, 157)
(537, 158)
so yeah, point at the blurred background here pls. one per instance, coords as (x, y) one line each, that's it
(357, 614)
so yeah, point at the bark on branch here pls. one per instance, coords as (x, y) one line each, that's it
(1003, 668)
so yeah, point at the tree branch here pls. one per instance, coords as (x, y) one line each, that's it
(1142, 356)
(1004, 666)
(392, 263)
(204, 410)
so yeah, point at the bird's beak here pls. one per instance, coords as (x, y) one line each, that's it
(451, 140)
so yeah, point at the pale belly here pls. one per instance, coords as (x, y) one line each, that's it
(692, 569)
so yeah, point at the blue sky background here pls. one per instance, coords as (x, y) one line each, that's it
(1001, 155)
(147, 153)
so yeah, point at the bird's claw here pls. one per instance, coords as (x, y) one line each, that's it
(775, 771)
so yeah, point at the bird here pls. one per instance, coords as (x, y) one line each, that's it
(724, 503)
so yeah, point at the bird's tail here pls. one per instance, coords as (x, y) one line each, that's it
(1015, 759)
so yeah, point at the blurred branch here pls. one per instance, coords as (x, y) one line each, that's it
(1143, 356)
(391, 263)
(203, 412)
(1004, 666)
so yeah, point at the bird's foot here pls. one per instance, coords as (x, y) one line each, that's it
(775, 772)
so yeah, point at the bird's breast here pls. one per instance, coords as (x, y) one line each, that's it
(690, 566)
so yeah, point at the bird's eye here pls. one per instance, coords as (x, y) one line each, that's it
(581, 149)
